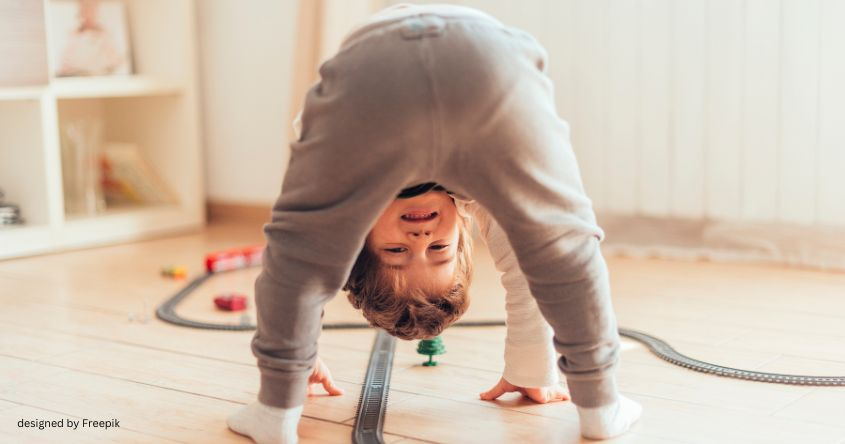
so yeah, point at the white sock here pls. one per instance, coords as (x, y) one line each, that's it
(266, 424)
(610, 420)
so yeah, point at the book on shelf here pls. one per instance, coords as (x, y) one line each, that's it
(128, 179)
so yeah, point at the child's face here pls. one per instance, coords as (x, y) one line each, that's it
(419, 238)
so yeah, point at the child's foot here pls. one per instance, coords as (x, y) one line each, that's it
(610, 420)
(265, 424)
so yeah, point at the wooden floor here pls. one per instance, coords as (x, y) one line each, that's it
(69, 350)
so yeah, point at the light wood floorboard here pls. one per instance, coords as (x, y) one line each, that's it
(68, 349)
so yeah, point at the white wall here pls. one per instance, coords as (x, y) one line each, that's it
(339, 17)
(246, 53)
(720, 109)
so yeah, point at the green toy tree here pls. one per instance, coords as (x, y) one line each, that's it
(431, 347)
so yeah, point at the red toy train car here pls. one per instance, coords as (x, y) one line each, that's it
(234, 259)
(230, 302)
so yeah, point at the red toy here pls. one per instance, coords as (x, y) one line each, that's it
(234, 259)
(230, 302)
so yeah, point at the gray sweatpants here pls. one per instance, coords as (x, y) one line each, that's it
(458, 100)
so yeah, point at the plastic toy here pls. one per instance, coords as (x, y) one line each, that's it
(234, 259)
(175, 272)
(230, 302)
(431, 347)
(142, 316)
(139, 317)
(10, 214)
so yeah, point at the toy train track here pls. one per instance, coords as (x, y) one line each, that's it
(667, 353)
(372, 405)
(167, 312)
(369, 421)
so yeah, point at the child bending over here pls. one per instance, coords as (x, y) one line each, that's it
(420, 96)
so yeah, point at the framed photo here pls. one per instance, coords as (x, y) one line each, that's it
(89, 38)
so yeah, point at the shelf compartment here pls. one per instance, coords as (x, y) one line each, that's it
(23, 170)
(155, 125)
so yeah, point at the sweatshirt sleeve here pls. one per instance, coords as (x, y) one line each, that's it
(530, 357)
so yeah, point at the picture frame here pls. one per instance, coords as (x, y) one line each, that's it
(89, 38)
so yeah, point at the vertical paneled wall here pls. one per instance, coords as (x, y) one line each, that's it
(719, 109)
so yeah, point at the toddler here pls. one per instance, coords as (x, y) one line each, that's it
(435, 98)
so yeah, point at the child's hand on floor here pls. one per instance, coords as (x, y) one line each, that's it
(540, 395)
(322, 375)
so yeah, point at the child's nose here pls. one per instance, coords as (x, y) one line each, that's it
(416, 234)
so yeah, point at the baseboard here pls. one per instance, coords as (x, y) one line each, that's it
(223, 212)
(820, 247)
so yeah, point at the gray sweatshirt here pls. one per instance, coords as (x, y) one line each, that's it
(434, 95)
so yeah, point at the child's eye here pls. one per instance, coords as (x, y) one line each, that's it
(395, 250)
(439, 247)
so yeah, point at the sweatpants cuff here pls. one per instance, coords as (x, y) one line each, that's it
(593, 392)
(285, 392)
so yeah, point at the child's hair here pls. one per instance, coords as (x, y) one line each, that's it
(386, 300)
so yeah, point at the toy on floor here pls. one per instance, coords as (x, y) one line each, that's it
(234, 259)
(142, 317)
(139, 317)
(167, 312)
(431, 347)
(175, 272)
(230, 302)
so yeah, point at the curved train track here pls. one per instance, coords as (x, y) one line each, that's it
(369, 421)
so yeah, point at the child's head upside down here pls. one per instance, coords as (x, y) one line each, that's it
(412, 276)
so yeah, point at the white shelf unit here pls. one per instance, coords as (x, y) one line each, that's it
(156, 109)
(116, 86)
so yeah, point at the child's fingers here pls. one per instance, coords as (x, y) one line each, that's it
(545, 395)
(328, 383)
(537, 395)
(492, 394)
(315, 378)
(330, 387)
(560, 395)
(557, 396)
(499, 390)
(556, 393)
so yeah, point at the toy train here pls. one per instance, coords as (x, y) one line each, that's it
(234, 259)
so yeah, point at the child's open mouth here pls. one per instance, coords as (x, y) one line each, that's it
(419, 216)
